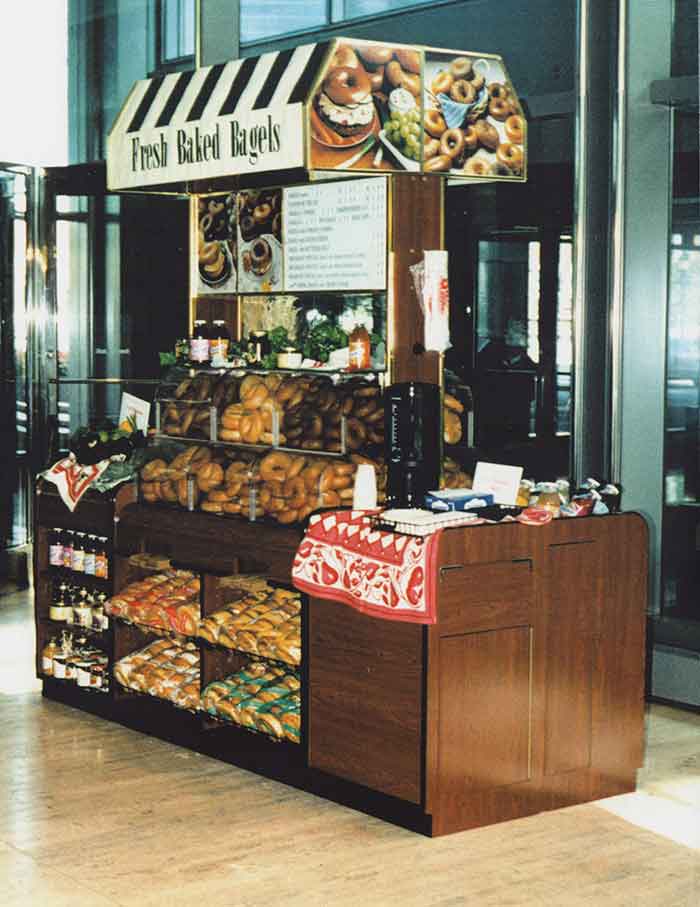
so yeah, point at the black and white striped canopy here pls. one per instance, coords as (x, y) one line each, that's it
(242, 117)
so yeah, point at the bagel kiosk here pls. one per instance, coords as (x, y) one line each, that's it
(482, 673)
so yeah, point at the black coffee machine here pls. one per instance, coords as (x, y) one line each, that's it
(412, 439)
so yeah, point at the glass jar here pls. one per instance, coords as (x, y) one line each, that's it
(360, 347)
(48, 653)
(56, 548)
(200, 343)
(548, 498)
(219, 343)
(59, 666)
(258, 346)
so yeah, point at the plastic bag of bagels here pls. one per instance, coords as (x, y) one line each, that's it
(292, 486)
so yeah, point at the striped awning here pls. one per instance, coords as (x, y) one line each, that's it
(239, 118)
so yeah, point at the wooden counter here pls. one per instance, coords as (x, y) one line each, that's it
(526, 695)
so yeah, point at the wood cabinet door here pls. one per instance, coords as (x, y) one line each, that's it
(366, 699)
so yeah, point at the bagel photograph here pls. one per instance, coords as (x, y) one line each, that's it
(366, 112)
(260, 247)
(473, 122)
(217, 255)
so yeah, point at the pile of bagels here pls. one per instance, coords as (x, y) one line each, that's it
(445, 149)
(284, 486)
(309, 411)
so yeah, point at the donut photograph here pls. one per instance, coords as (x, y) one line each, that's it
(473, 123)
(260, 248)
(366, 114)
(216, 244)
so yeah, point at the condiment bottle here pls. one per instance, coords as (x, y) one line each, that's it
(48, 653)
(360, 348)
(101, 561)
(60, 609)
(199, 345)
(219, 343)
(78, 555)
(101, 600)
(68, 549)
(56, 548)
(89, 561)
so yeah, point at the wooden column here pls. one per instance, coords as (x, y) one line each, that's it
(416, 225)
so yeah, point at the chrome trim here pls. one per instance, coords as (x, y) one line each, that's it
(618, 231)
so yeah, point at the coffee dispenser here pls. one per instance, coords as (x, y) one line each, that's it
(412, 433)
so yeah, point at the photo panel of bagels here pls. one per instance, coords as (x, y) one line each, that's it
(366, 114)
(473, 122)
(260, 248)
(216, 252)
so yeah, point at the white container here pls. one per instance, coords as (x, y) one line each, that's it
(364, 496)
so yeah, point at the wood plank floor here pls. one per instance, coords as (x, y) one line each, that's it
(91, 813)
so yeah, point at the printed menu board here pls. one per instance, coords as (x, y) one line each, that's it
(336, 236)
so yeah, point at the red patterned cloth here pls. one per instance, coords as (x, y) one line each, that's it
(72, 479)
(384, 574)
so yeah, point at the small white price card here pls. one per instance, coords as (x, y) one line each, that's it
(499, 480)
(335, 235)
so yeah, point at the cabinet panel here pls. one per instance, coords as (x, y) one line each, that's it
(485, 711)
(484, 596)
(573, 596)
(365, 699)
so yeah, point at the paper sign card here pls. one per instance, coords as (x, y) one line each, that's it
(136, 409)
(498, 479)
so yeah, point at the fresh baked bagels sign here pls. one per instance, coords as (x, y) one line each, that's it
(224, 120)
(342, 105)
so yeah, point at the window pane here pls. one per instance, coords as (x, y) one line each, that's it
(264, 18)
(356, 8)
(177, 33)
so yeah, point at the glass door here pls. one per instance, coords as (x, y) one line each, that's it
(523, 349)
(16, 315)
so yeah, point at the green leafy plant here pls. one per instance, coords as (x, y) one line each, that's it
(321, 339)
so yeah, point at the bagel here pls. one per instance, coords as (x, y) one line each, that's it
(471, 139)
(463, 92)
(498, 90)
(451, 145)
(211, 475)
(374, 54)
(329, 499)
(452, 427)
(399, 78)
(287, 516)
(409, 59)
(461, 68)
(248, 384)
(212, 506)
(347, 85)
(355, 434)
(442, 83)
(275, 466)
(152, 469)
(231, 435)
(262, 213)
(344, 55)
(251, 427)
(434, 123)
(511, 156)
(231, 507)
(453, 403)
(499, 109)
(515, 129)
(431, 147)
(295, 492)
(440, 163)
(376, 78)
(487, 134)
(476, 167)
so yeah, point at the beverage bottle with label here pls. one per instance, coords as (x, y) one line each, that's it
(56, 548)
(78, 556)
(68, 549)
(48, 653)
(101, 559)
(200, 343)
(89, 562)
